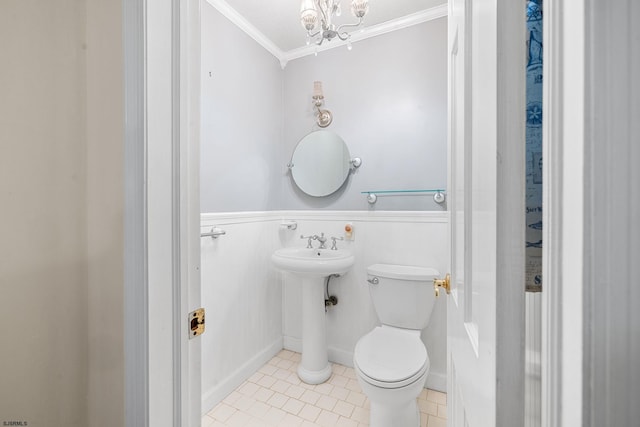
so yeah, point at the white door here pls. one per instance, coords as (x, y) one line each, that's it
(485, 310)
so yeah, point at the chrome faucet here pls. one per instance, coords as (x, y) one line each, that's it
(309, 245)
(322, 240)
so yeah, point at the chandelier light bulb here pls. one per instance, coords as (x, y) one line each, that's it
(359, 8)
(308, 15)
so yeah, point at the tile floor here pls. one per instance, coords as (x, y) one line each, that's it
(275, 396)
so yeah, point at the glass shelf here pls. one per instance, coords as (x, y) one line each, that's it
(437, 190)
(438, 196)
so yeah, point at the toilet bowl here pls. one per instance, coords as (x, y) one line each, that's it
(391, 361)
(392, 365)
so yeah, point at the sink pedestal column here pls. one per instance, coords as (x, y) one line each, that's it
(314, 367)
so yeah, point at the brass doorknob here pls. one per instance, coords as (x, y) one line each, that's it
(442, 283)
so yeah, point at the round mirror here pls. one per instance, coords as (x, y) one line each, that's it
(320, 163)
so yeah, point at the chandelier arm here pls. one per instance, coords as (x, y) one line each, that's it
(343, 35)
(314, 34)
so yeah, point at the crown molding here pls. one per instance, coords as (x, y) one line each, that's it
(232, 15)
(284, 57)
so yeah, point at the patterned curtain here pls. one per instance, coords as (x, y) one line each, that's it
(534, 147)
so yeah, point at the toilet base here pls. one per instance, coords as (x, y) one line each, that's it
(393, 407)
(392, 416)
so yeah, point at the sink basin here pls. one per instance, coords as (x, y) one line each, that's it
(311, 266)
(313, 262)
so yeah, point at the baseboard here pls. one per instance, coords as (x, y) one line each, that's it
(341, 356)
(213, 396)
(437, 381)
(292, 344)
(335, 355)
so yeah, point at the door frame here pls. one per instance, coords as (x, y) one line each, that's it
(161, 215)
(564, 190)
(551, 363)
(136, 349)
(590, 349)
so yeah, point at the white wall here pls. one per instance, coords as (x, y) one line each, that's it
(388, 97)
(241, 120)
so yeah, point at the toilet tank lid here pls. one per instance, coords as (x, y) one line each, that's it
(404, 272)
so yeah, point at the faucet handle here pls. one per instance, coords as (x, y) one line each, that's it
(309, 245)
(334, 246)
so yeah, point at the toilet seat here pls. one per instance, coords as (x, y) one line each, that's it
(389, 357)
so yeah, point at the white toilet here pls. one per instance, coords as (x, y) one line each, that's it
(391, 362)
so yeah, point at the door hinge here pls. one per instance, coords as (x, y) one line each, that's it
(196, 323)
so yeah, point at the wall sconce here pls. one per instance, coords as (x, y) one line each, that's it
(324, 117)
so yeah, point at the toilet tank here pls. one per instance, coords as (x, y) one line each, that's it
(402, 295)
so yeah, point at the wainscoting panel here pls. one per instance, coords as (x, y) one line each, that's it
(242, 296)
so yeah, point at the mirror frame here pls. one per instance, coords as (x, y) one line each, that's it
(349, 164)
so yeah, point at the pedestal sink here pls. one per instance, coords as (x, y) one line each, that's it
(312, 266)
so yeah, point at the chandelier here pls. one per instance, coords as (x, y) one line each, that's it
(317, 17)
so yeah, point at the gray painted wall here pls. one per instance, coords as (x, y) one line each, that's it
(388, 97)
(242, 119)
